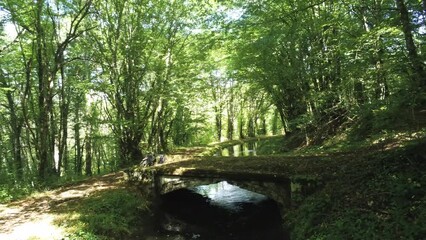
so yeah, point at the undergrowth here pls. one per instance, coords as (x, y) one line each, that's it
(381, 196)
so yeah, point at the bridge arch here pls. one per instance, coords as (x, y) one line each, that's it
(279, 191)
(282, 190)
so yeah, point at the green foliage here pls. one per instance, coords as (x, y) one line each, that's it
(82, 235)
(271, 145)
(380, 118)
(11, 192)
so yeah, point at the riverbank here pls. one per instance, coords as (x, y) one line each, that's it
(376, 196)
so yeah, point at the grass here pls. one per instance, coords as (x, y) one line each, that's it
(111, 214)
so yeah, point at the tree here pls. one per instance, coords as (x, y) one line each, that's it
(416, 64)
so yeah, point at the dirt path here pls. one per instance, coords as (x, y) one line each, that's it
(33, 217)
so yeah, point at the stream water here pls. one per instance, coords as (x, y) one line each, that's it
(252, 148)
(219, 211)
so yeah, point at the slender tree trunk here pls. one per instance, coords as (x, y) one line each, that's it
(241, 119)
(162, 125)
(381, 89)
(98, 156)
(218, 121)
(274, 127)
(230, 109)
(89, 155)
(263, 128)
(251, 132)
(241, 126)
(52, 135)
(78, 147)
(230, 127)
(63, 136)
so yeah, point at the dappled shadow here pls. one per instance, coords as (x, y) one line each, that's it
(27, 218)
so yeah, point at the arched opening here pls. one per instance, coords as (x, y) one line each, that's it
(220, 211)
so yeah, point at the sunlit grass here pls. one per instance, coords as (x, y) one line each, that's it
(111, 214)
(101, 207)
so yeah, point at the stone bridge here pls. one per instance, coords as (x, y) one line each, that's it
(282, 190)
(279, 191)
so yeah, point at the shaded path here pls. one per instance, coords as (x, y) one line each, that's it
(34, 217)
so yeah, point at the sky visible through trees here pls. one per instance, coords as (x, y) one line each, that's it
(89, 86)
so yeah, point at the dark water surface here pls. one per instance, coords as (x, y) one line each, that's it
(218, 211)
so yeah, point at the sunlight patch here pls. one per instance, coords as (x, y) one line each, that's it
(41, 228)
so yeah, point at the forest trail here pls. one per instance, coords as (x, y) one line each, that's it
(35, 216)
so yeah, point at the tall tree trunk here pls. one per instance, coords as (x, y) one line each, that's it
(89, 155)
(78, 146)
(263, 129)
(381, 89)
(274, 127)
(251, 132)
(241, 118)
(16, 124)
(241, 126)
(218, 121)
(162, 125)
(415, 61)
(230, 123)
(63, 131)
(98, 156)
(43, 135)
(230, 127)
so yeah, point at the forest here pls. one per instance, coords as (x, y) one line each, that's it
(89, 87)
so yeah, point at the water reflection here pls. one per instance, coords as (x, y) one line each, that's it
(228, 196)
(240, 150)
(220, 211)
